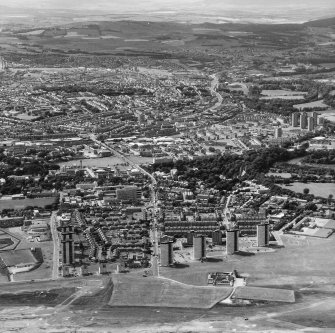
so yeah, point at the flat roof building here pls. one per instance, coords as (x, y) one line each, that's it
(232, 241)
(166, 253)
(263, 234)
(199, 247)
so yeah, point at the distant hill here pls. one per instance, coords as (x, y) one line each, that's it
(323, 23)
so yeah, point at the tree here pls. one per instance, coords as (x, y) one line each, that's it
(306, 191)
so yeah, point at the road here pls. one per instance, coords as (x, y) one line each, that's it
(155, 254)
(226, 211)
(154, 229)
(55, 239)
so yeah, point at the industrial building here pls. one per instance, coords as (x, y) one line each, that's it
(166, 253)
(199, 247)
(263, 234)
(232, 241)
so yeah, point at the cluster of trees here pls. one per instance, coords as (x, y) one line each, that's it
(223, 172)
(321, 157)
(285, 107)
(330, 100)
(74, 88)
(279, 106)
(304, 171)
(18, 167)
(292, 205)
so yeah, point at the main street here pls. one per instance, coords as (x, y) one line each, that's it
(55, 239)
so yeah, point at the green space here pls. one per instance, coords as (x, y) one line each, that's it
(130, 291)
(315, 104)
(141, 160)
(318, 189)
(302, 260)
(23, 203)
(94, 162)
(265, 294)
(5, 242)
(51, 297)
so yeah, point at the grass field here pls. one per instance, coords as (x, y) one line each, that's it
(279, 92)
(282, 94)
(19, 204)
(44, 297)
(94, 162)
(319, 104)
(318, 189)
(45, 269)
(141, 160)
(300, 261)
(265, 294)
(130, 291)
(8, 241)
(288, 97)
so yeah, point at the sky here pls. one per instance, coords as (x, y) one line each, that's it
(196, 5)
(217, 11)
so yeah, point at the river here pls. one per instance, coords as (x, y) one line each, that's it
(298, 161)
(214, 85)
